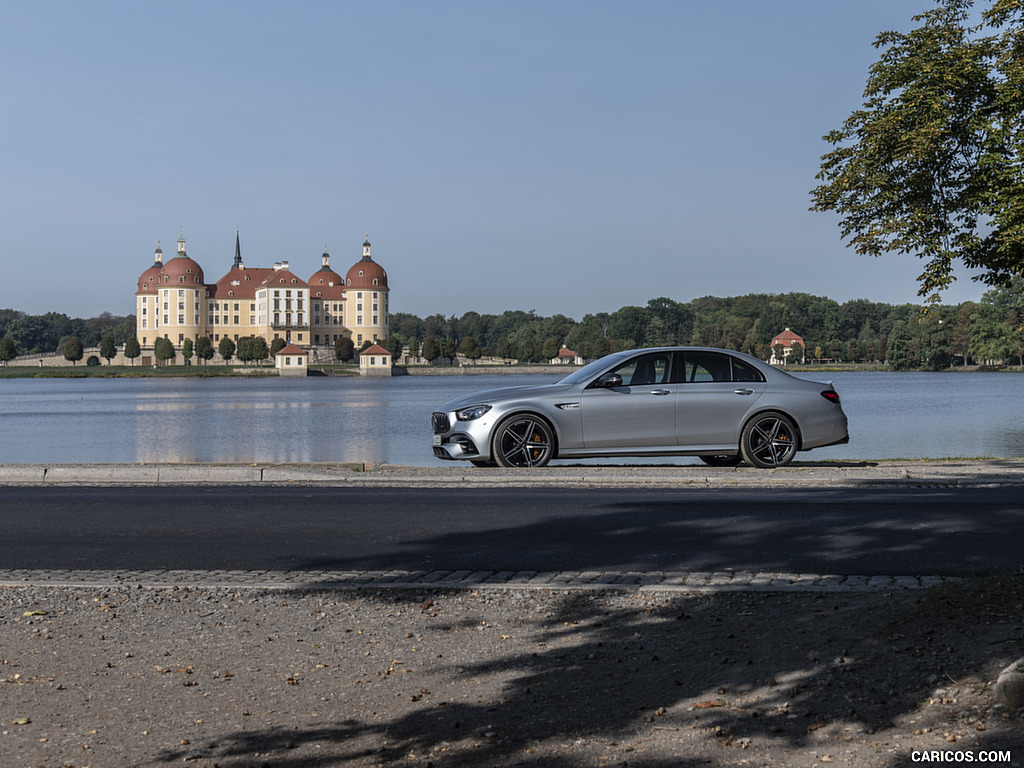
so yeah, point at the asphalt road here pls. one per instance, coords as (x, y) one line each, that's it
(873, 531)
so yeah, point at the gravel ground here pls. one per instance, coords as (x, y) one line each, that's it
(210, 676)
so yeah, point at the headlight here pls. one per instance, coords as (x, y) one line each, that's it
(473, 412)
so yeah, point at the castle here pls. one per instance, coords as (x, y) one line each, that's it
(173, 301)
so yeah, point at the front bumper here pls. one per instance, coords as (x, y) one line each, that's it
(454, 444)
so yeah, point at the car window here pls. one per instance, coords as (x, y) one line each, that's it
(712, 366)
(647, 369)
(706, 366)
(742, 371)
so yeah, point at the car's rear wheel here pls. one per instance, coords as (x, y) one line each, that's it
(769, 440)
(722, 461)
(523, 440)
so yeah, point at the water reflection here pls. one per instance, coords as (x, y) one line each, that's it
(892, 415)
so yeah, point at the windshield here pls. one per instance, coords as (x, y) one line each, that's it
(590, 370)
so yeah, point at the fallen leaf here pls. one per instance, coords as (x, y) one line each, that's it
(708, 704)
(21, 721)
(35, 613)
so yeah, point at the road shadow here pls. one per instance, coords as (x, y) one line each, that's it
(827, 532)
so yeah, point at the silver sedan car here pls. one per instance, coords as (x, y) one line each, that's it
(723, 406)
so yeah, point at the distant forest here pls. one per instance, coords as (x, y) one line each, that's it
(904, 337)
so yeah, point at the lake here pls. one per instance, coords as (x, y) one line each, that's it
(387, 420)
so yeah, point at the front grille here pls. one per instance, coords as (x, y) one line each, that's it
(439, 421)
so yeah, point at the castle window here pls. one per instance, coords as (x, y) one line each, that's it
(375, 281)
(181, 278)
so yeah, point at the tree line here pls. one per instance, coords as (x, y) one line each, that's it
(904, 337)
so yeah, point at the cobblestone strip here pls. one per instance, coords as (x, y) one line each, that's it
(695, 581)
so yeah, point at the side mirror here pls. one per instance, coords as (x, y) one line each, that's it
(610, 380)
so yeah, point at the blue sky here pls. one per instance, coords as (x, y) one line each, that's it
(567, 157)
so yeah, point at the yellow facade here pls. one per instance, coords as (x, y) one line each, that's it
(174, 302)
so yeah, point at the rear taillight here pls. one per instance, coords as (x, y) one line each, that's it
(831, 395)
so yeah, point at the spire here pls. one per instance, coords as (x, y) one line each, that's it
(238, 252)
(366, 249)
(181, 243)
(158, 255)
(326, 258)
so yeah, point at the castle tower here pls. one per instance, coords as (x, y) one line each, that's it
(366, 299)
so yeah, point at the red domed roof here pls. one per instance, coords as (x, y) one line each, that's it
(366, 274)
(182, 269)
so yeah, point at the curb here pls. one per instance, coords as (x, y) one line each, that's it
(956, 473)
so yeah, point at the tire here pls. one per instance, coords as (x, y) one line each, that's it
(722, 461)
(523, 440)
(481, 463)
(769, 440)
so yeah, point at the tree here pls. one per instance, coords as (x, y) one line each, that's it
(108, 349)
(431, 349)
(244, 349)
(277, 345)
(470, 349)
(226, 348)
(394, 345)
(796, 352)
(899, 347)
(73, 350)
(164, 350)
(204, 348)
(931, 163)
(344, 348)
(260, 350)
(504, 348)
(8, 349)
(187, 350)
(132, 349)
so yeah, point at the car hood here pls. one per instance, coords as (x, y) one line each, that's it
(504, 395)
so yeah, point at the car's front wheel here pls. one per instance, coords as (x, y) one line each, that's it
(523, 440)
(769, 440)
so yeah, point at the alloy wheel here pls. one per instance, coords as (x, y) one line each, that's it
(523, 441)
(769, 441)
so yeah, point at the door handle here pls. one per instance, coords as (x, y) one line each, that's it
(743, 391)
(661, 391)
